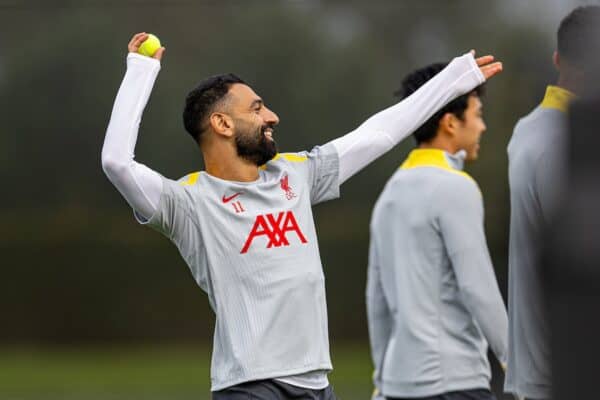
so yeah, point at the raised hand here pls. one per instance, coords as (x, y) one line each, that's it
(137, 40)
(488, 67)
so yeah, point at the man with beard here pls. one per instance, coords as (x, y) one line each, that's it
(244, 225)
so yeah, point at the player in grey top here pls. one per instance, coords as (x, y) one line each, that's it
(245, 226)
(537, 170)
(433, 302)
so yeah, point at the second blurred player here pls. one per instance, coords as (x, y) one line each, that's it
(432, 298)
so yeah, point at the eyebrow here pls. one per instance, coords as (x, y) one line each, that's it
(256, 102)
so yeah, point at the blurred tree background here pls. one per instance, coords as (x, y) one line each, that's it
(78, 271)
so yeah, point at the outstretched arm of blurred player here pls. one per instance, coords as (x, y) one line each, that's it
(384, 130)
(140, 185)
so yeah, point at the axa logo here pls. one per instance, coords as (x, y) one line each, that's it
(275, 228)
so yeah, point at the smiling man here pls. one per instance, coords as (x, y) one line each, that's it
(433, 302)
(244, 225)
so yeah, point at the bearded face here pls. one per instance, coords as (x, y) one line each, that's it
(254, 142)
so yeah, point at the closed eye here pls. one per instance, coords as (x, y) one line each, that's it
(256, 105)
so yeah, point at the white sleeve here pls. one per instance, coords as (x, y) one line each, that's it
(140, 185)
(381, 132)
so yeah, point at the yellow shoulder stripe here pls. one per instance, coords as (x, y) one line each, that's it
(292, 157)
(192, 178)
(431, 158)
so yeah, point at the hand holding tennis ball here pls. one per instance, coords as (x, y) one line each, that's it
(146, 44)
(149, 46)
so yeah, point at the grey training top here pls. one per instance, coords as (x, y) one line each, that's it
(253, 248)
(536, 155)
(432, 297)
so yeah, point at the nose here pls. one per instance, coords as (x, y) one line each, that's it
(270, 117)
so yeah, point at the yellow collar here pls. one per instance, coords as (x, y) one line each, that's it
(426, 158)
(430, 158)
(557, 98)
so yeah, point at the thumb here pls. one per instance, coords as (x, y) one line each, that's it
(159, 53)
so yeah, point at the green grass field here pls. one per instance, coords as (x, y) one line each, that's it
(160, 372)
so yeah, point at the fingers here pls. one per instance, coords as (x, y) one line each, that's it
(136, 42)
(159, 53)
(484, 60)
(491, 69)
(486, 64)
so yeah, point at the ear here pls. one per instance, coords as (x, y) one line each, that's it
(556, 60)
(448, 124)
(221, 123)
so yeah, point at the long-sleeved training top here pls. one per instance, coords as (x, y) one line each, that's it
(252, 246)
(537, 170)
(433, 302)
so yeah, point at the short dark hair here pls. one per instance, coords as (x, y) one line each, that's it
(201, 101)
(414, 81)
(578, 36)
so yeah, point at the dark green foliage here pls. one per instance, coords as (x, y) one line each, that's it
(77, 268)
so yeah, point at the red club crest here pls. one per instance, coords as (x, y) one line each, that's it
(285, 186)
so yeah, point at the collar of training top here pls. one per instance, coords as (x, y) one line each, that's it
(434, 158)
(557, 98)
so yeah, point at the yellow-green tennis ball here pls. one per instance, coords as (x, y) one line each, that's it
(149, 46)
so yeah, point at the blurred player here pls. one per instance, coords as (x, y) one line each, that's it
(537, 169)
(245, 226)
(433, 302)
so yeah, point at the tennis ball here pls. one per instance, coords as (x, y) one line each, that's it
(149, 46)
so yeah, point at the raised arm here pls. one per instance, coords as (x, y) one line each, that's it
(140, 185)
(461, 225)
(381, 132)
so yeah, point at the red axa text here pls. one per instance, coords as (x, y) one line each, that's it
(275, 228)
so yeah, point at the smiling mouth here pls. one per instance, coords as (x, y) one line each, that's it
(268, 133)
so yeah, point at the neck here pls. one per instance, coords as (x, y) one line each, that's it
(439, 144)
(572, 84)
(223, 162)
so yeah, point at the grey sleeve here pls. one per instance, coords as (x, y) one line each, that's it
(322, 173)
(378, 314)
(173, 217)
(550, 179)
(461, 225)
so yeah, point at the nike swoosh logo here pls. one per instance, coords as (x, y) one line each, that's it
(228, 199)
